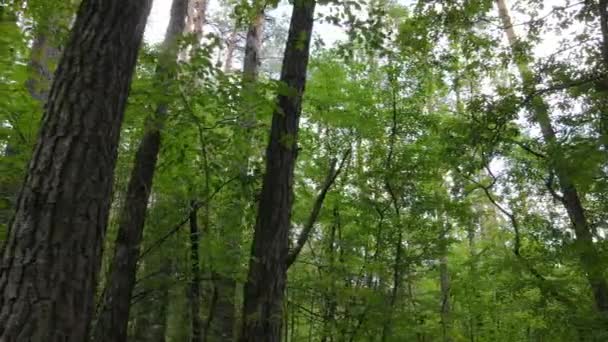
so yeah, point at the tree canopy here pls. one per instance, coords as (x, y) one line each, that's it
(438, 174)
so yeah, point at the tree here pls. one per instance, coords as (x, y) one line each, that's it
(263, 295)
(570, 198)
(53, 252)
(113, 319)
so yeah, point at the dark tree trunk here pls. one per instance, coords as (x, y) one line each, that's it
(588, 254)
(263, 307)
(195, 280)
(53, 254)
(114, 317)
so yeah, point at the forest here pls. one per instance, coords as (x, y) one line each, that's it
(304, 170)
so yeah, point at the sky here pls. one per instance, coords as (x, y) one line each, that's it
(159, 19)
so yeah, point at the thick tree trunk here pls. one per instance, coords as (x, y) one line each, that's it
(114, 317)
(587, 251)
(195, 280)
(53, 253)
(263, 307)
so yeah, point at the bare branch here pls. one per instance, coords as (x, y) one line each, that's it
(316, 209)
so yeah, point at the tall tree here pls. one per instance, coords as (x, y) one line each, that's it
(53, 253)
(222, 326)
(114, 316)
(263, 294)
(588, 254)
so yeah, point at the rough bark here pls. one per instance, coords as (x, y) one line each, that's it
(195, 280)
(52, 257)
(113, 320)
(588, 254)
(263, 307)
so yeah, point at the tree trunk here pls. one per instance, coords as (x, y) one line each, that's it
(114, 317)
(53, 253)
(230, 47)
(196, 18)
(587, 251)
(195, 281)
(263, 307)
(223, 313)
(150, 324)
(444, 285)
(602, 84)
(43, 56)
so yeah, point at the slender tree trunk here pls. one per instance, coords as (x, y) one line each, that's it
(196, 19)
(230, 47)
(53, 254)
(602, 85)
(444, 285)
(151, 322)
(222, 326)
(43, 56)
(587, 251)
(263, 307)
(114, 317)
(330, 297)
(195, 281)
(44, 52)
(603, 11)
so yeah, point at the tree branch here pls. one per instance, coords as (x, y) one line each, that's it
(316, 209)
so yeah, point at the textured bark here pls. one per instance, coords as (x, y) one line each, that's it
(113, 320)
(195, 281)
(589, 257)
(263, 307)
(53, 254)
